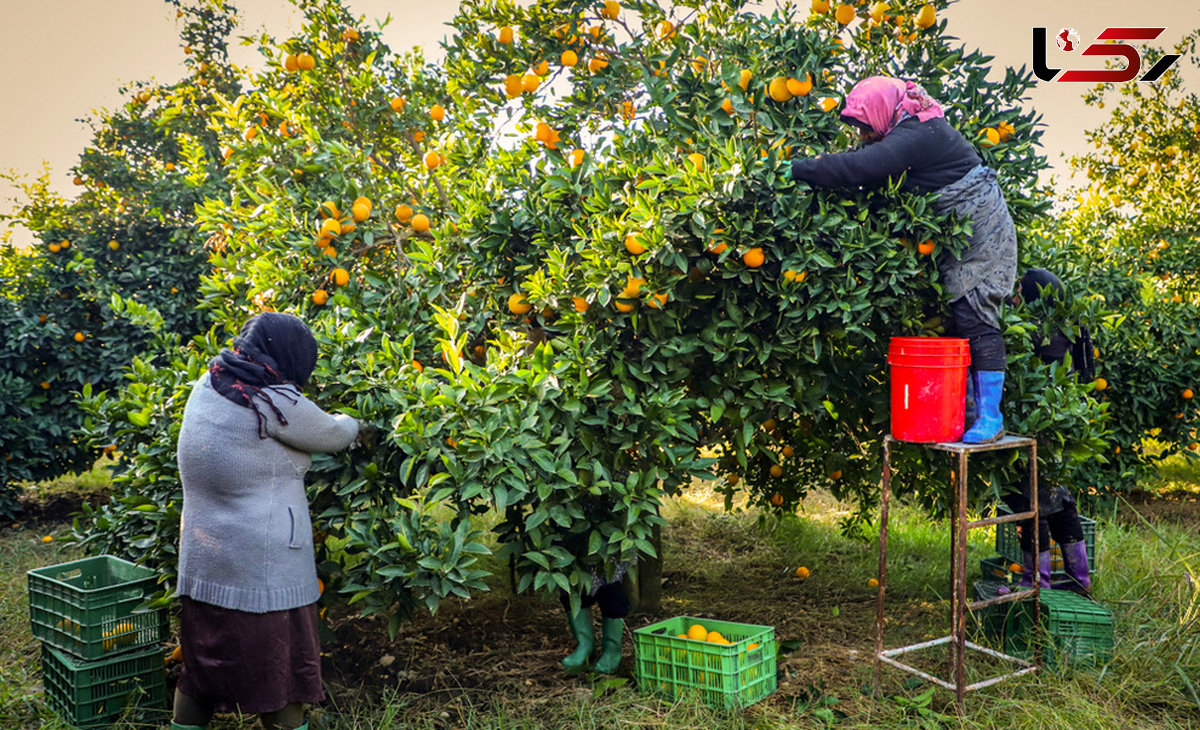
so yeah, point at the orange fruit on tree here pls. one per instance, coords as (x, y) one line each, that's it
(845, 13)
(873, 582)
(417, 365)
(363, 200)
(340, 276)
(581, 304)
(697, 161)
(331, 227)
(925, 248)
(530, 83)
(697, 632)
(79, 337)
(727, 106)
(360, 212)
(789, 452)
(778, 89)
(991, 137)
(611, 9)
(802, 573)
(398, 103)
(306, 62)
(800, 88)
(776, 470)
(627, 110)
(1187, 394)
(569, 58)
(770, 424)
(836, 474)
(329, 209)
(518, 304)
(754, 258)
(506, 35)
(320, 586)
(290, 64)
(598, 64)
(319, 297)
(1101, 384)
(633, 245)
(744, 78)
(577, 156)
(820, 6)
(624, 305)
(349, 35)
(420, 223)
(878, 10)
(926, 16)
(716, 247)
(114, 245)
(437, 112)
(54, 247)
(512, 85)
(657, 301)
(665, 29)
(777, 499)
(633, 286)
(829, 103)
(432, 160)
(404, 212)
(733, 480)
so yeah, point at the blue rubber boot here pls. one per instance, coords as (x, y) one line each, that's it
(989, 425)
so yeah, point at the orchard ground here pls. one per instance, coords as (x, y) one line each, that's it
(492, 662)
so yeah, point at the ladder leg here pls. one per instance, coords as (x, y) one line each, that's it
(883, 536)
(960, 583)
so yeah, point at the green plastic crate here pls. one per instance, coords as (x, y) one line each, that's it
(93, 608)
(92, 694)
(1078, 631)
(728, 676)
(1008, 544)
(995, 569)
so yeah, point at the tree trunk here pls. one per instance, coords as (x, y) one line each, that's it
(646, 595)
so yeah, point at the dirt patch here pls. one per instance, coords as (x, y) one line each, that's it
(52, 509)
(1181, 507)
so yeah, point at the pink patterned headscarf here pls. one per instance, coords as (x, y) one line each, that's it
(882, 102)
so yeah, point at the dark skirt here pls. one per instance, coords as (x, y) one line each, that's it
(234, 661)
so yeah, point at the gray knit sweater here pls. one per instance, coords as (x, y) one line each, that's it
(245, 536)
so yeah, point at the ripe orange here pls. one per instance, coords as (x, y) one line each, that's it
(697, 632)
(512, 85)
(306, 62)
(802, 573)
(845, 13)
(331, 227)
(569, 58)
(657, 301)
(820, 6)
(340, 276)
(733, 479)
(611, 9)
(319, 297)
(360, 212)
(48, 538)
(836, 474)
(329, 209)
(777, 499)
(114, 245)
(506, 35)
(577, 156)
(581, 304)
(1016, 568)
(417, 365)
(79, 337)
(320, 586)
(404, 212)
(925, 248)
(926, 17)
(177, 654)
(598, 64)
(754, 258)
(398, 104)
(627, 110)
(633, 286)
(432, 160)
(776, 470)
(54, 247)
(665, 29)
(714, 637)
(716, 247)
(518, 304)
(633, 245)
(349, 35)
(420, 223)
(829, 103)
(778, 89)
(744, 78)
(697, 161)
(530, 83)
(1187, 394)
(770, 424)
(1101, 384)
(290, 64)
(789, 452)
(798, 87)
(437, 112)
(873, 583)
(727, 106)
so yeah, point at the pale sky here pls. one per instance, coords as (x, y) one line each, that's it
(73, 55)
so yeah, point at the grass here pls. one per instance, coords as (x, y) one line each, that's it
(739, 566)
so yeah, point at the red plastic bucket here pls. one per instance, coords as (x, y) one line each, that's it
(929, 387)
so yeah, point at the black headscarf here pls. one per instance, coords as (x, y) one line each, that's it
(272, 349)
(1033, 284)
(1035, 280)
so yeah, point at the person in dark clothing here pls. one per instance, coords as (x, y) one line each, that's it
(907, 134)
(1057, 515)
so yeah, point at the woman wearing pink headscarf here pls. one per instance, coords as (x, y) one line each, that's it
(905, 133)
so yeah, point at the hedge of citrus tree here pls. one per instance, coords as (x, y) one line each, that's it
(130, 233)
(562, 273)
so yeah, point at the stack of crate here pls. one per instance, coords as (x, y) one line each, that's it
(101, 645)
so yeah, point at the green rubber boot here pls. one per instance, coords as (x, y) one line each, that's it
(612, 633)
(581, 628)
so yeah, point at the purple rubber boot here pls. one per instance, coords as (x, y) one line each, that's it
(1075, 564)
(1043, 569)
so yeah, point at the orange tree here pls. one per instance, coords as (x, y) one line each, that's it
(130, 233)
(563, 273)
(1130, 241)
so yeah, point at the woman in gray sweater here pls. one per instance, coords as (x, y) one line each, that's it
(247, 574)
